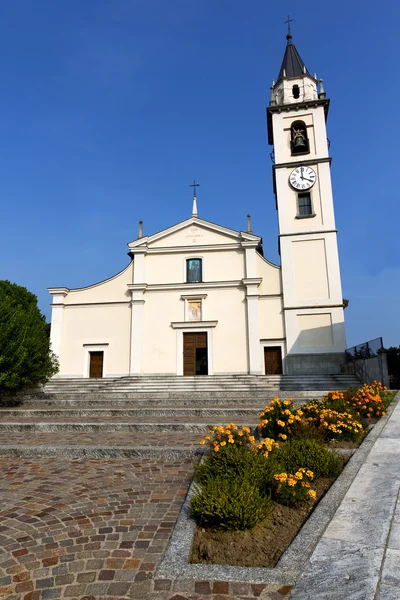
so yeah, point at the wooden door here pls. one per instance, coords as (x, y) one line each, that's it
(194, 345)
(273, 360)
(96, 364)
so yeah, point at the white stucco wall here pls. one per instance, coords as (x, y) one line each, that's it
(226, 306)
(110, 290)
(93, 325)
(218, 265)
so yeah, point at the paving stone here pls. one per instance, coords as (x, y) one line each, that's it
(74, 591)
(118, 588)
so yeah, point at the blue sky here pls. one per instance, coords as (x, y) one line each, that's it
(109, 110)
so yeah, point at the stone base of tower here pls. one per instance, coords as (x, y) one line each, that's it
(315, 364)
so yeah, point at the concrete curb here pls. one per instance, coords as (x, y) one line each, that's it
(291, 564)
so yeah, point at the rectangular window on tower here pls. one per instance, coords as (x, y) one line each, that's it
(304, 206)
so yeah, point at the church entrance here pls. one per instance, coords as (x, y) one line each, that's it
(195, 355)
(273, 360)
(96, 365)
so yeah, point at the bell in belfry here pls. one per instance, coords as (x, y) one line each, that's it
(299, 142)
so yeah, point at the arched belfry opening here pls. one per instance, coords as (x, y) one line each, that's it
(299, 143)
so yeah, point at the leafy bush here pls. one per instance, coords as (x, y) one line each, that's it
(234, 504)
(233, 488)
(312, 455)
(369, 400)
(332, 424)
(291, 488)
(238, 463)
(278, 419)
(25, 355)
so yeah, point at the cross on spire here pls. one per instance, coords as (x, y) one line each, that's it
(289, 20)
(194, 185)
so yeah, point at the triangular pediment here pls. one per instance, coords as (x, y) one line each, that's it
(194, 231)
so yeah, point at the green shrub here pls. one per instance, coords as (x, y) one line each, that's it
(230, 504)
(25, 355)
(290, 488)
(309, 454)
(238, 463)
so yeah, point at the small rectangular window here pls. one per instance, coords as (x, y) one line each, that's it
(193, 270)
(304, 204)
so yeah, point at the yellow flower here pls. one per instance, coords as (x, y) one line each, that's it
(312, 493)
(291, 481)
(283, 436)
(280, 423)
(240, 433)
(202, 442)
(251, 439)
(223, 443)
(231, 440)
(216, 448)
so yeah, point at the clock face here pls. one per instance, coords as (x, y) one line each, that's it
(302, 178)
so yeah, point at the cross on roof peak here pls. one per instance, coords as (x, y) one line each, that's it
(289, 20)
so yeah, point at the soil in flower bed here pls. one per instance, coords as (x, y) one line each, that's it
(263, 545)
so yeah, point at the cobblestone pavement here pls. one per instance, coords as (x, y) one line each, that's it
(97, 528)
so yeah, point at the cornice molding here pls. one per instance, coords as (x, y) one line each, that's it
(193, 324)
(311, 232)
(193, 296)
(195, 247)
(88, 304)
(192, 286)
(314, 306)
(307, 162)
(62, 291)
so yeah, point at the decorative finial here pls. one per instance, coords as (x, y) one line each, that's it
(140, 232)
(321, 90)
(194, 185)
(194, 209)
(289, 34)
(249, 230)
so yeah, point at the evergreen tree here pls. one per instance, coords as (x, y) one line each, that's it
(25, 355)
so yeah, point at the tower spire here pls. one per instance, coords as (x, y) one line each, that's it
(194, 185)
(292, 64)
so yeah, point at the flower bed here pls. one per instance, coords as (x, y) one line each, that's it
(256, 491)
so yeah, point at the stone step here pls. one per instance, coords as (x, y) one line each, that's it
(309, 384)
(170, 445)
(122, 414)
(90, 426)
(195, 399)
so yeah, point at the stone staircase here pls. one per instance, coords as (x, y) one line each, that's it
(144, 416)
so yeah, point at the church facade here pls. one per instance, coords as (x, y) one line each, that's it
(201, 299)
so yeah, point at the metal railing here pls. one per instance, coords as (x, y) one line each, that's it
(366, 350)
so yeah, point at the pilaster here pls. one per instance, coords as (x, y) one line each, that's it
(253, 327)
(57, 317)
(136, 342)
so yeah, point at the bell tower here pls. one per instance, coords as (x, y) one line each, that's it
(312, 292)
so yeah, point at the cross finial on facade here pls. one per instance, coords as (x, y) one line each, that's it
(289, 20)
(194, 185)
